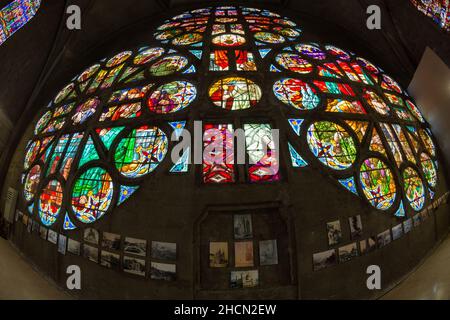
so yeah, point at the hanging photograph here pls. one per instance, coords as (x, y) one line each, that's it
(268, 252)
(91, 236)
(62, 244)
(164, 250)
(243, 254)
(134, 266)
(371, 244)
(397, 232)
(244, 279)
(218, 254)
(324, 259)
(135, 246)
(407, 225)
(163, 271)
(52, 236)
(348, 252)
(43, 232)
(243, 226)
(334, 232)
(109, 260)
(74, 247)
(111, 241)
(355, 227)
(384, 238)
(90, 253)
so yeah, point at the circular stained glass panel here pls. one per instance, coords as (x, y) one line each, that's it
(148, 55)
(187, 39)
(32, 182)
(296, 93)
(168, 65)
(118, 59)
(294, 62)
(85, 110)
(228, 40)
(89, 72)
(172, 97)
(169, 34)
(42, 123)
(140, 152)
(64, 93)
(332, 145)
(311, 51)
(50, 202)
(338, 53)
(92, 195)
(235, 93)
(287, 32)
(429, 169)
(378, 184)
(414, 190)
(269, 37)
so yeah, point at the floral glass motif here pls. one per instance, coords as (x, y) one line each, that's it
(92, 195)
(332, 145)
(235, 93)
(378, 184)
(140, 152)
(414, 189)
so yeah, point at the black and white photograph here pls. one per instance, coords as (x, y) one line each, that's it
(134, 266)
(111, 241)
(371, 244)
(164, 251)
(218, 254)
(244, 279)
(135, 246)
(384, 238)
(324, 259)
(43, 232)
(348, 252)
(73, 247)
(397, 231)
(52, 236)
(268, 252)
(363, 246)
(407, 225)
(356, 229)
(243, 228)
(163, 271)
(91, 236)
(62, 244)
(90, 253)
(109, 259)
(334, 232)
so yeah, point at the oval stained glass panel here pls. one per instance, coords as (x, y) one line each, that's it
(228, 40)
(414, 190)
(269, 37)
(172, 97)
(293, 62)
(85, 110)
(148, 55)
(187, 39)
(311, 51)
(168, 65)
(42, 122)
(235, 93)
(119, 59)
(296, 93)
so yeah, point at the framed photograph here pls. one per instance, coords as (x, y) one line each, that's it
(91, 236)
(35, 227)
(163, 271)
(363, 246)
(416, 220)
(134, 266)
(243, 254)
(397, 231)
(90, 253)
(43, 232)
(135, 246)
(111, 241)
(268, 253)
(164, 250)
(355, 227)
(348, 252)
(218, 254)
(109, 260)
(334, 232)
(52, 236)
(73, 247)
(407, 225)
(243, 226)
(62, 244)
(324, 259)
(371, 244)
(384, 238)
(244, 279)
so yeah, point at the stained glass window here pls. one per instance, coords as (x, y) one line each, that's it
(219, 61)
(31, 182)
(437, 10)
(414, 189)
(429, 169)
(172, 97)
(378, 183)
(168, 65)
(15, 15)
(228, 40)
(50, 202)
(235, 93)
(296, 93)
(293, 62)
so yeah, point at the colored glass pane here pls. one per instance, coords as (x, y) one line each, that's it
(32, 153)
(118, 59)
(429, 169)
(187, 39)
(296, 93)
(219, 61)
(414, 189)
(168, 65)
(228, 40)
(311, 51)
(269, 37)
(427, 142)
(15, 15)
(50, 202)
(415, 111)
(31, 182)
(340, 105)
(374, 101)
(235, 93)
(244, 61)
(85, 110)
(294, 62)
(172, 97)
(42, 122)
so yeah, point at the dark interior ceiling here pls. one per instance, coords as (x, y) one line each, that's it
(42, 56)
